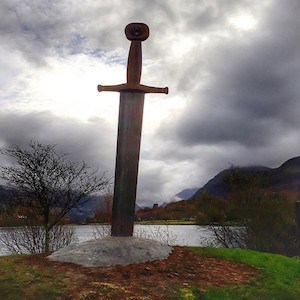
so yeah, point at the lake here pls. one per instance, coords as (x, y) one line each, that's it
(182, 235)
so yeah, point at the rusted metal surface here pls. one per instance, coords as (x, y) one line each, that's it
(128, 150)
(129, 132)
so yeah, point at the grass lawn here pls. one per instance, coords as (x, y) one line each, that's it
(279, 278)
(22, 281)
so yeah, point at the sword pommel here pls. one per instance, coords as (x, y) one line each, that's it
(137, 31)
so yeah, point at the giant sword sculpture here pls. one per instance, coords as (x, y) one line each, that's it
(129, 132)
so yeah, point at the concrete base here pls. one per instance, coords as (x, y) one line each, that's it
(111, 251)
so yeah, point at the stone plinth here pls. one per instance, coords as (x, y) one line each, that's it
(111, 251)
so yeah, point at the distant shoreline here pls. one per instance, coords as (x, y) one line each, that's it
(152, 222)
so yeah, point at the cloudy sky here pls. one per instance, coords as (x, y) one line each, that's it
(232, 68)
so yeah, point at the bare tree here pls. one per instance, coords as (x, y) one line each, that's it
(49, 183)
(31, 239)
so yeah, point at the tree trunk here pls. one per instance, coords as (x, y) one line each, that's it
(47, 239)
(47, 231)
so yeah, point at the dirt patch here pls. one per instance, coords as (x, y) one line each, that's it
(152, 280)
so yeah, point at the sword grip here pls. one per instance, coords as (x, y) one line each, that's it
(134, 63)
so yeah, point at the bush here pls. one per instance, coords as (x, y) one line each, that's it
(31, 239)
(201, 218)
(266, 222)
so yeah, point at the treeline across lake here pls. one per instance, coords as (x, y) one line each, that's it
(266, 220)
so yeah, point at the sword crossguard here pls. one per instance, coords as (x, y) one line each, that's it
(133, 88)
(136, 33)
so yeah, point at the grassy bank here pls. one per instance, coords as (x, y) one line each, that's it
(279, 278)
(22, 281)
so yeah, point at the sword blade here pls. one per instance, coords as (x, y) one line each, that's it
(127, 162)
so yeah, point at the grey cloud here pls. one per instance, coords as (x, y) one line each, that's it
(29, 28)
(150, 183)
(46, 28)
(92, 141)
(252, 96)
(243, 90)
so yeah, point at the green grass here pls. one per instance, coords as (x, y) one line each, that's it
(279, 277)
(20, 281)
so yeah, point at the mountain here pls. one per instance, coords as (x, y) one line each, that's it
(285, 178)
(217, 187)
(6, 194)
(82, 212)
(87, 209)
(185, 194)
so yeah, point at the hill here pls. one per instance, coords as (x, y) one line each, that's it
(185, 194)
(285, 178)
(217, 187)
(79, 214)
(91, 205)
